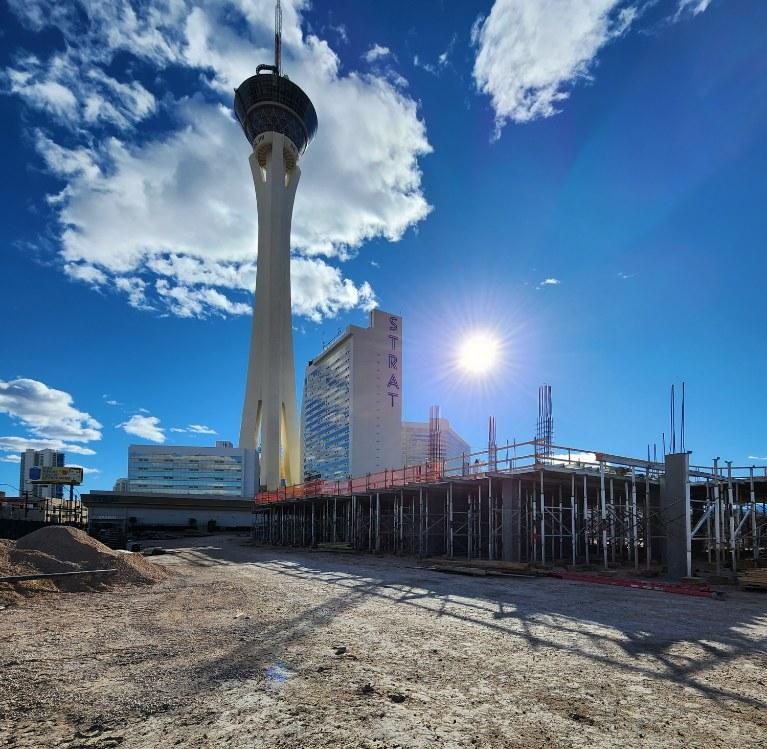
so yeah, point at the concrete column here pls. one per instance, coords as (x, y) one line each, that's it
(510, 507)
(675, 514)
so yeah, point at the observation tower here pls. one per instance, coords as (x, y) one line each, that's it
(279, 121)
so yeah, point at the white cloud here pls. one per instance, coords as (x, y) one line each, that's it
(169, 218)
(10, 458)
(376, 52)
(19, 444)
(340, 31)
(444, 58)
(692, 7)
(194, 429)
(146, 427)
(86, 273)
(188, 302)
(134, 289)
(86, 469)
(427, 66)
(548, 282)
(531, 51)
(757, 457)
(201, 429)
(66, 86)
(319, 290)
(46, 412)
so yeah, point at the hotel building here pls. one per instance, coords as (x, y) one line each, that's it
(415, 442)
(220, 470)
(351, 416)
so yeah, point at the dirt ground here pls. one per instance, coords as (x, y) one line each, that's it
(243, 648)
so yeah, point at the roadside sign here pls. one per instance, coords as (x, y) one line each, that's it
(56, 475)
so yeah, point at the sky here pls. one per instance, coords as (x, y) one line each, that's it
(582, 181)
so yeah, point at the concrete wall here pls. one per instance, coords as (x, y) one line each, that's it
(171, 517)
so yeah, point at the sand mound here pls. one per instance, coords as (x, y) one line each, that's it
(64, 549)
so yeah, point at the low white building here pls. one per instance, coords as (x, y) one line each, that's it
(351, 414)
(182, 470)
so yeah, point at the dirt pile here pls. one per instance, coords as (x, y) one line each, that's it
(64, 549)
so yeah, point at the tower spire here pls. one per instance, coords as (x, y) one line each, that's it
(278, 38)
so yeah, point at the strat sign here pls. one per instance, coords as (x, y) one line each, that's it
(56, 475)
(393, 385)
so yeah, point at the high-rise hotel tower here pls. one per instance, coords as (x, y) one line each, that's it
(352, 407)
(278, 120)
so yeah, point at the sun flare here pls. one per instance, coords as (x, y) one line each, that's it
(478, 354)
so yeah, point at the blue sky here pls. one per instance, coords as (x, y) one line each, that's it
(467, 154)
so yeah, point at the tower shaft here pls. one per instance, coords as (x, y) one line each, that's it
(270, 394)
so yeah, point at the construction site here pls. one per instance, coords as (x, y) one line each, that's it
(301, 590)
(527, 595)
(537, 503)
(231, 644)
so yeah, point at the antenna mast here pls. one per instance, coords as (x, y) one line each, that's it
(278, 38)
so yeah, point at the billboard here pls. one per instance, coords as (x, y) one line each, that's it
(56, 475)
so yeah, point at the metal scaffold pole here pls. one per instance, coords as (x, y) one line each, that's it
(634, 518)
(752, 498)
(603, 511)
(450, 519)
(717, 523)
(490, 519)
(586, 517)
(573, 506)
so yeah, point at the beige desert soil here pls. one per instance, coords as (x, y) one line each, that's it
(252, 647)
(55, 549)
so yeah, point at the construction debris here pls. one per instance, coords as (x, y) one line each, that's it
(755, 579)
(61, 549)
(684, 589)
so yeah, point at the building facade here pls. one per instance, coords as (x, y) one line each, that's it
(165, 469)
(37, 459)
(130, 514)
(415, 442)
(351, 414)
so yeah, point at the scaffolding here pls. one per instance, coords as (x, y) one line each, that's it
(571, 507)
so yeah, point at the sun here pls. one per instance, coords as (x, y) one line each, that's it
(478, 354)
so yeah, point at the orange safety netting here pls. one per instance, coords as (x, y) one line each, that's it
(395, 477)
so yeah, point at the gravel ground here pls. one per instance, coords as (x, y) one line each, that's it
(248, 647)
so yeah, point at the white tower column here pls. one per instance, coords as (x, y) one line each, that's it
(270, 393)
